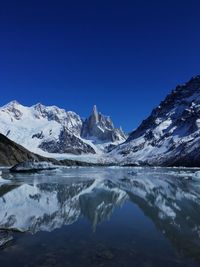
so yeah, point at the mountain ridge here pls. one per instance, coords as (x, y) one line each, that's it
(170, 135)
(52, 130)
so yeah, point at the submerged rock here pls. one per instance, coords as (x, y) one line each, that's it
(106, 255)
(32, 166)
(5, 237)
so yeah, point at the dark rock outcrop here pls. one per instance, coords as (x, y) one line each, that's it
(12, 154)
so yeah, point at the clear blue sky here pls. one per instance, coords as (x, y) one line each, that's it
(123, 56)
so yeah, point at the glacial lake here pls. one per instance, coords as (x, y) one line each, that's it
(100, 217)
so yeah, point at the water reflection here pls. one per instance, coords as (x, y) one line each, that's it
(166, 196)
(45, 207)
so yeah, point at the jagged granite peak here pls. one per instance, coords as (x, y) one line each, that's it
(170, 136)
(95, 114)
(102, 128)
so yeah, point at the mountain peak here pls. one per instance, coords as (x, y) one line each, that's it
(189, 87)
(12, 104)
(95, 115)
(170, 136)
(197, 77)
(38, 106)
(14, 108)
(101, 127)
(95, 110)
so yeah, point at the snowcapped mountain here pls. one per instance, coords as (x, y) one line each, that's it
(170, 135)
(102, 128)
(50, 129)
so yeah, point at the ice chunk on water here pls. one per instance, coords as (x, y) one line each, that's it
(197, 174)
(32, 166)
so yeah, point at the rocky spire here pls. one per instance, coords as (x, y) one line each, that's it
(95, 115)
(101, 127)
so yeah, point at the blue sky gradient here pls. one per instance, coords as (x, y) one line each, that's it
(123, 56)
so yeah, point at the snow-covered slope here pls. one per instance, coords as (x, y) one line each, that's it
(43, 128)
(46, 130)
(170, 135)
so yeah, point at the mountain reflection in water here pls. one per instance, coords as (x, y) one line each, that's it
(170, 198)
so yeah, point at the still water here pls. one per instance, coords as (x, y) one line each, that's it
(100, 217)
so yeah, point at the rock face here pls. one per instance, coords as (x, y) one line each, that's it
(5, 238)
(170, 136)
(102, 128)
(50, 129)
(66, 143)
(12, 153)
